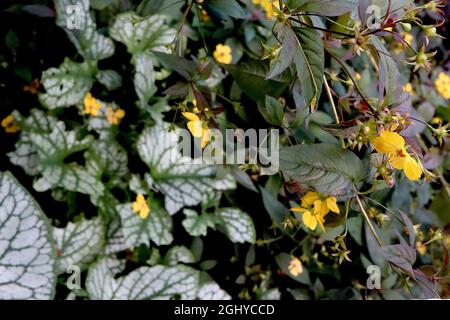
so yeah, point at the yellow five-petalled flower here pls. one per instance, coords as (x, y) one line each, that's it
(197, 128)
(140, 206)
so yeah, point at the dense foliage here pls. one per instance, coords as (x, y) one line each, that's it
(97, 202)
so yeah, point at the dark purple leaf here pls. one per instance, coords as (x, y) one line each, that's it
(39, 10)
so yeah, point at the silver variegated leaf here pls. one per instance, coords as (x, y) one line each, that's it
(109, 78)
(144, 77)
(27, 255)
(74, 17)
(67, 85)
(197, 225)
(142, 34)
(156, 227)
(149, 283)
(115, 239)
(78, 243)
(181, 180)
(212, 291)
(179, 254)
(238, 225)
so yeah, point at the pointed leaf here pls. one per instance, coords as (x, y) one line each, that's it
(238, 225)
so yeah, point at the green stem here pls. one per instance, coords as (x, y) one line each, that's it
(366, 217)
(333, 106)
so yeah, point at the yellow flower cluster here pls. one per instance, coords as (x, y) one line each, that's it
(197, 128)
(222, 54)
(267, 6)
(114, 116)
(315, 207)
(10, 125)
(91, 105)
(442, 85)
(408, 88)
(393, 145)
(140, 206)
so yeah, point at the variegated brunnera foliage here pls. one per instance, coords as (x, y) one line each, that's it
(361, 108)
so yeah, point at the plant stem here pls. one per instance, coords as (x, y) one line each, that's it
(366, 217)
(333, 106)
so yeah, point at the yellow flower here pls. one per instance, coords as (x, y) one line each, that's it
(10, 124)
(295, 267)
(196, 128)
(421, 248)
(314, 208)
(140, 206)
(91, 105)
(114, 117)
(393, 145)
(442, 85)
(409, 89)
(267, 6)
(223, 54)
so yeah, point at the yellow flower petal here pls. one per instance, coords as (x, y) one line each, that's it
(332, 205)
(309, 220)
(298, 209)
(295, 266)
(195, 127)
(388, 142)
(412, 168)
(397, 162)
(320, 208)
(309, 198)
(190, 116)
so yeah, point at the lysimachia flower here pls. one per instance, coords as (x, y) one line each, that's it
(295, 266)
(91, 105)
(442, 85)
(267, 6)
(114, 116)
(408, 88)
(393, 145)
(222, 54)
(314, 208)
(10, 125)
(197, 128)
(140, 206)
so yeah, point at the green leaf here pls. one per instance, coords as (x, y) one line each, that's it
(142, 34)
(156, 227)
(83, 31)
(272, 111)
(149, 283)
(309, 63)
(67, 85)
(251, 78)
(223, 9)
(182, 182)
(78, 243)
(197, 225)
(144, 77)
(276, 210)
(331, 8)
(326, 167)
(27, 255)
(238, 225)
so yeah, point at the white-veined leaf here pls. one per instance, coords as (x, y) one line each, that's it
(156, 227)
(182, 182)
(27, 255)
(179, 254)
(74, 17)
(109, 78)
(238, 225)
(142, 34)
(197, 225)
(67, 85)
(78, 243)
(211, 291)
(144, 77)
(150, 283)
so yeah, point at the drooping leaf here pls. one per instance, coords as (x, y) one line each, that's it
(78, 243)
(109, 78)
(182, 182)
(149, 283)
(332, 8)
(179, 254)
(238, 225)
(326, 167)
(156, 227)
(27, 255)
(251, 78)
(401, 255)
(276, 210)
